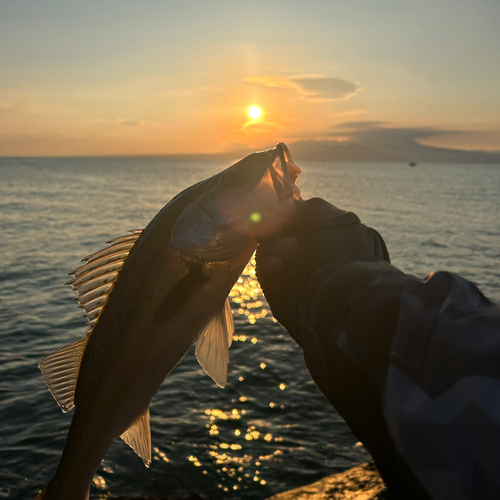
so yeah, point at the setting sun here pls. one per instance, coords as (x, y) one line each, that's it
(254, 112)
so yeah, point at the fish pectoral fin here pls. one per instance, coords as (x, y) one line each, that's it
(60, 372)
(138, 437)
(212, 346)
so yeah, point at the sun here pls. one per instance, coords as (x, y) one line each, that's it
(254, 112)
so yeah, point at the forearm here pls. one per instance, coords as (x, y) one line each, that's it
(347, 334)
(329, 300)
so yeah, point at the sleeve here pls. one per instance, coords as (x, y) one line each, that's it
(414, 368)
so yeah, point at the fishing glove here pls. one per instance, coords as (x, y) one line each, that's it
(314, 276)
(310, 271)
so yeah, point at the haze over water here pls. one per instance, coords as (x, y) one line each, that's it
(270, 429)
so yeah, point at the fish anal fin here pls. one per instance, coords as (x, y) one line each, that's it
(138, 437)
(212, 346)
(60, 372)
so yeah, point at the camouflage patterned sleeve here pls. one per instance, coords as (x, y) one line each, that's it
(414, 368)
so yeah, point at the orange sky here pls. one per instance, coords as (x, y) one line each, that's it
(118, 78)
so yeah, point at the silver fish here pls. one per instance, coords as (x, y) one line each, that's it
(148, 297)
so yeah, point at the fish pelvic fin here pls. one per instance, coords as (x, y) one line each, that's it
(138, 437)
(212, 346)
(60, 372)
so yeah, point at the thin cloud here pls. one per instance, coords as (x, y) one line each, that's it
(131, 123)
(360, 125)
(345, 114)
(275, 82)
(324, 88)
(384, 136)
(122, 122)
(310, 87)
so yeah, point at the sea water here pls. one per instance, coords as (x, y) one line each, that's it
(270, 429)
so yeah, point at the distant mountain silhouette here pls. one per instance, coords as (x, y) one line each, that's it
(352, 151)
(379, 141)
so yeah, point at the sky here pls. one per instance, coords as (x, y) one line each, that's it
(122, 77)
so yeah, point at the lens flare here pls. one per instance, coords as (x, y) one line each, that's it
(255, 217)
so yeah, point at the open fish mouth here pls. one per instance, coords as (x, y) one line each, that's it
(253, 199)
(284, 174)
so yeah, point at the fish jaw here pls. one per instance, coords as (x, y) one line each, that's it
(252, 199)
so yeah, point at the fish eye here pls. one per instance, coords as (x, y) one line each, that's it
(236, 178)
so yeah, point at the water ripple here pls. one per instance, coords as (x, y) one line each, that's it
(270, 429)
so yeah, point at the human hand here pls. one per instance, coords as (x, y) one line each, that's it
(322, 240)
(280, 266)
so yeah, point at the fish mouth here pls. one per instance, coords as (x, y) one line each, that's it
(283, 172)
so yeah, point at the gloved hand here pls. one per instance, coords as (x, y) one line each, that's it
(313, 275)
(322, 240)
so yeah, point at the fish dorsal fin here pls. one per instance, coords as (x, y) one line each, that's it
(94, 280)
(138, 437)
(212, 346)
(60, 372)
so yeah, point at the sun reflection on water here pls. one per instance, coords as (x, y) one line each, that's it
(237, 468)
(247, 295)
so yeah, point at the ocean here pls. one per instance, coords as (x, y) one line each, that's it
(270, 429)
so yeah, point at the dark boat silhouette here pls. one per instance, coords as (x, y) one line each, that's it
(412, 164)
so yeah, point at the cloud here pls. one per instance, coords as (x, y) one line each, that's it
(380, 141)
(344, 114)
(130, 123)
(323, 88)
(190, 92)
(275, 82)
(122, 122)
(8, 110)
(75, 144)
(383, 136)
(359, 125)
(310, 87)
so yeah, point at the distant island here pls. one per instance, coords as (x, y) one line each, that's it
(352, 151)
(326, 150)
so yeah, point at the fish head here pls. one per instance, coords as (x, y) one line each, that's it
(251, 199)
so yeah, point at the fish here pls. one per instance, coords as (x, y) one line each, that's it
(148, 297)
